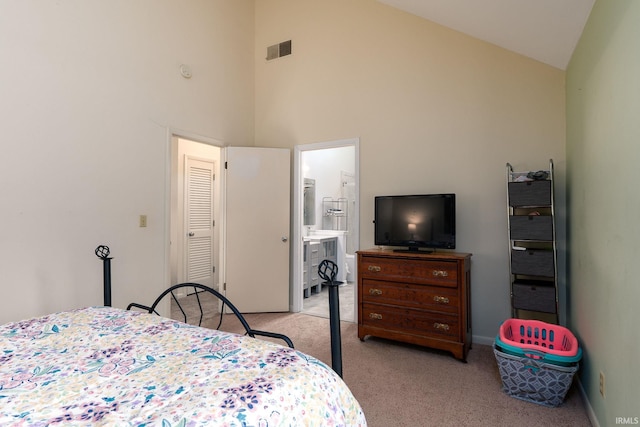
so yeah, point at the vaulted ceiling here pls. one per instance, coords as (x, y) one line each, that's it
(545, 30)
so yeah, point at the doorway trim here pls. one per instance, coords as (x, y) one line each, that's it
(297, 213)
(170, 216)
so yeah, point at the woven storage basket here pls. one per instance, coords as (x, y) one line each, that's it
(534, 381)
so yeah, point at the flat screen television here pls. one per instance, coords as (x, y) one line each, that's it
(416, 222)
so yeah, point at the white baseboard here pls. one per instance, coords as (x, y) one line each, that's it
(477, 339)
(590, 413)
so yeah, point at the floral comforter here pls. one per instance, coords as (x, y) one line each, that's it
(106, 366)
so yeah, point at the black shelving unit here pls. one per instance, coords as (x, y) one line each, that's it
(533, 268)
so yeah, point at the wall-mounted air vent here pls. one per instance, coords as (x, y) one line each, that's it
(278, 50)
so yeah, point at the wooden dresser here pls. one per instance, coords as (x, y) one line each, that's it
(418, 298)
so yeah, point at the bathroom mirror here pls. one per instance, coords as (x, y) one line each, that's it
(309, 204)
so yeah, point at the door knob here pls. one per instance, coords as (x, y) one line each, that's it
(191, 234)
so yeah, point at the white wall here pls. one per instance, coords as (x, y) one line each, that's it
(325, 166)
(89, 91)
(436, 111)
(93, 89)
(603, 100)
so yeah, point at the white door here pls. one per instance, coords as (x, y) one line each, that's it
(199, 221)
(257, 189)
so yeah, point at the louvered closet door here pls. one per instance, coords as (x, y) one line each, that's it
(199, 221)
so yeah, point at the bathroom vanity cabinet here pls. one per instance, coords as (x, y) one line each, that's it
(315, 250)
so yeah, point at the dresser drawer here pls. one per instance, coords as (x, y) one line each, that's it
(425, 297)
(314, 250)
(442, 273)
(417, 298)
(411, 321)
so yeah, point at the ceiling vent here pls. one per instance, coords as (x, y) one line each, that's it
(278, 50)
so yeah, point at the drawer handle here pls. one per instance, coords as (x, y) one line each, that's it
(375, 316)
(441, 300)
(374, 268)
(442, 326)
(440, 273)
(374, 291)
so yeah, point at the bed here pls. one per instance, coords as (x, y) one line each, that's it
(107, 366)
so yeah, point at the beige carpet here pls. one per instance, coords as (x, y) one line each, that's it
(403, 385)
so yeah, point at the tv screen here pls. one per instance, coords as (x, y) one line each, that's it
(417, 221)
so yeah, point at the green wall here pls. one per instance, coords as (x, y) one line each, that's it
(603, 155)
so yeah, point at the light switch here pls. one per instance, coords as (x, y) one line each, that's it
(143, 220)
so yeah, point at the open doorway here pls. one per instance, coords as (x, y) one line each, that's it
(195, 205)
(326, 213)
(241, 181)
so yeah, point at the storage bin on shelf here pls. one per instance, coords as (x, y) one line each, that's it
(537, 360)
(535, 295)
